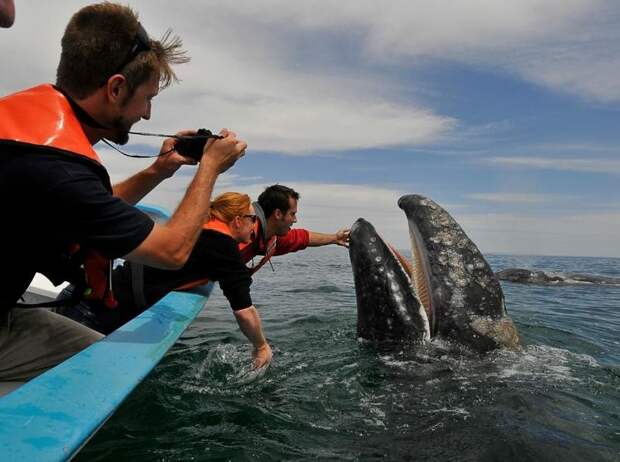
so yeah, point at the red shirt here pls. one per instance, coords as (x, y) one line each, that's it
(294, 240)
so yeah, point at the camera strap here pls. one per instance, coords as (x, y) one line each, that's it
(161, 135)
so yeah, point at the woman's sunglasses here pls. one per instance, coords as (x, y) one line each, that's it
(251, 217)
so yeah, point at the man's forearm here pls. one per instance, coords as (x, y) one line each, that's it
(193, 210)
(134, 188)
(319, 239)
(250, 324)
(169, 246)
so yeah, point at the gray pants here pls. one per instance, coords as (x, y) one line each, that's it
(36, 340)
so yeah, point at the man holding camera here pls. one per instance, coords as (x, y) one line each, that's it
(63, 218)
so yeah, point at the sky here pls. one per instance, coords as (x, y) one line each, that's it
(504, 113)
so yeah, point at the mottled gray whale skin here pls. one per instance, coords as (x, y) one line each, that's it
(525, 276)
(387, 308)
(454, 281)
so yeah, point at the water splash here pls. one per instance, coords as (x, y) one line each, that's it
(226, 369)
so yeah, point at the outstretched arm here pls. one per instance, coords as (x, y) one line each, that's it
(319, 239)
(250, 324)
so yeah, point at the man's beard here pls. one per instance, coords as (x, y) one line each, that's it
(120, 130)
(283, 231)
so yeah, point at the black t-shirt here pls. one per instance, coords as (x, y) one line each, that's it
(52, 200)
(215, 257)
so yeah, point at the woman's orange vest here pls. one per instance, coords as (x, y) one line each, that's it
(42, 117)
(215, 224)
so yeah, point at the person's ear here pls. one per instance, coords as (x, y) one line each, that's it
(115, 87)
(277, 213)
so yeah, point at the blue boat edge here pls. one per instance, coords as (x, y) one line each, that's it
(51, 417)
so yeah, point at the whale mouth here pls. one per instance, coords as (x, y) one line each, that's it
(361, 231)
(420, 275)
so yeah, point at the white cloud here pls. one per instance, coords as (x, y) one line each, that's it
(567, 45)
(610, 166)
(584, 233)
(515, 198)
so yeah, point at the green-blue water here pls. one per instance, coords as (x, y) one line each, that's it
(329, 397)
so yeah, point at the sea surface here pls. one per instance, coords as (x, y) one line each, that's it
(329, 396)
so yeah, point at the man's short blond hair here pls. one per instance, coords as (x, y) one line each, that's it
(97, 41)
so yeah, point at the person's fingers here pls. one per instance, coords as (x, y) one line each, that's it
(185, 133)
(241, 146)
(188, 161)
(261, 362)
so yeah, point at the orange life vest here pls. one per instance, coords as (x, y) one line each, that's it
(42, 117)
(214, 224)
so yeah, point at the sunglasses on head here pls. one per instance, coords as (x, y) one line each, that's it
(141, 42)
(253, 218)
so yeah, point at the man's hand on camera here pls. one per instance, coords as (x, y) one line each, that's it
(223, 153)
(169, 162)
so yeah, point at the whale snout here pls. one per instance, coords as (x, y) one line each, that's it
(361, 228)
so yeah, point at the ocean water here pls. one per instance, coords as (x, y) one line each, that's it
(328, 396)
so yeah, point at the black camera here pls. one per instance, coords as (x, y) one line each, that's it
(192, 146)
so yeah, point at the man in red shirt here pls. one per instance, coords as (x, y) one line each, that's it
(276, 210)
